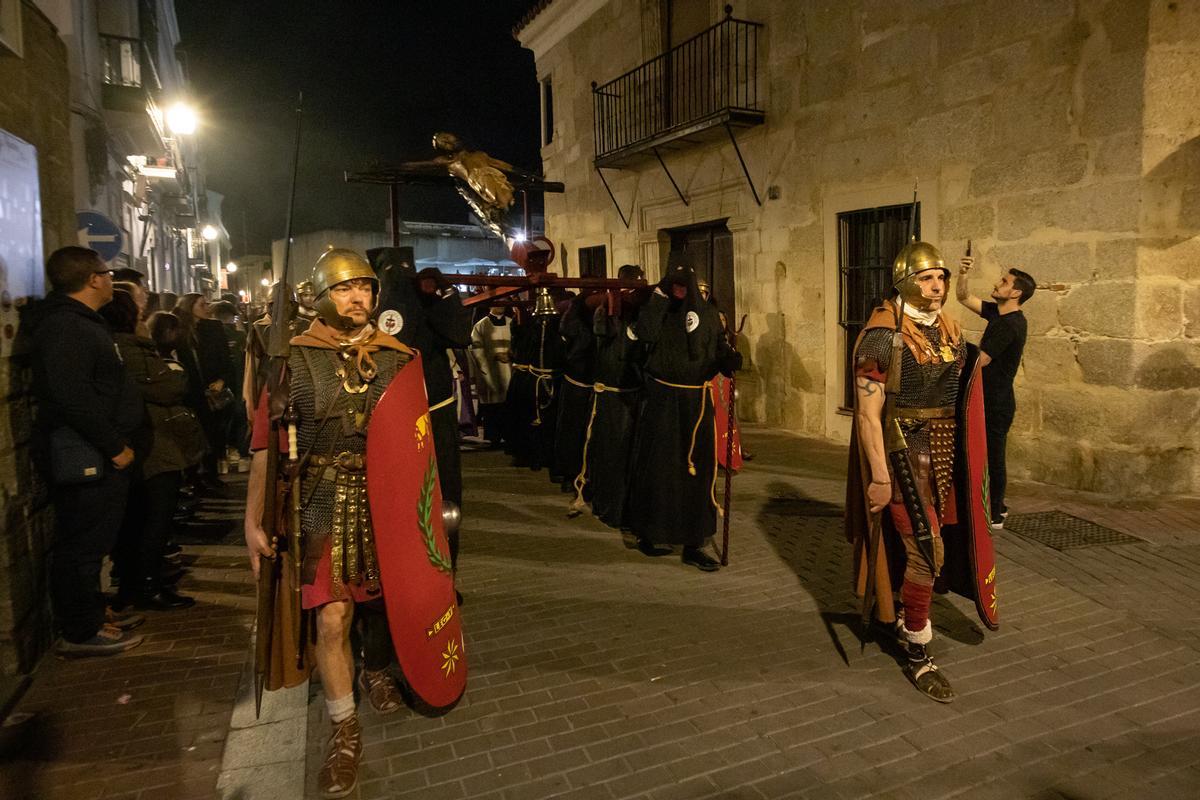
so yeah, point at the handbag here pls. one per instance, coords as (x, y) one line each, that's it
(73, 459)
(181, 425)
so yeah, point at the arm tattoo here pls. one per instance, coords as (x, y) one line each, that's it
(867, 386)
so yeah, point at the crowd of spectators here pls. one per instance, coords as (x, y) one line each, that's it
(137, 416)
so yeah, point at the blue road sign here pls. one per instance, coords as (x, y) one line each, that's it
(99, 233)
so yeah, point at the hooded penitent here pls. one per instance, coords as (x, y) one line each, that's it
(618, 381)
(575, 392)
(424, 311)
(531, 407)
(672, 495)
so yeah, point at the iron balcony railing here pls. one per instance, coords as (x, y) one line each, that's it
(711, 78)
(122, 60)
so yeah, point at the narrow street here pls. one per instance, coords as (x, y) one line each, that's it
(596, 672)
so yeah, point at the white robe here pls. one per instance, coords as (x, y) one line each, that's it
(491, 376)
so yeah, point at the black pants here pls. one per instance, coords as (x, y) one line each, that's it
(449, 461)
(145, 530)
(87, 518)
(377, 649)
(492, 415)
(999, 419)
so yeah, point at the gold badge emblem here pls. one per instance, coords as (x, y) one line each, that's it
(422, 431)
(450, 657)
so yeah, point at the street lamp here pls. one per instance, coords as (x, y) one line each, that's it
(265, 281)
(181, 119)
(209, 233)
(231, 267)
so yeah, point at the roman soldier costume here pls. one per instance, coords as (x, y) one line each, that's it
(336, 380)
(923, 360)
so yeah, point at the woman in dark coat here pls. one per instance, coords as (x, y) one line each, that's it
(204, 352)
(172, 441)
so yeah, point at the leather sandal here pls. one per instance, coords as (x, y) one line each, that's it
(929, 681)
(381, 690)
(339, 773)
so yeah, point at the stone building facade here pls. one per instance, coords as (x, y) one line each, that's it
(1059, 136)
(34, 91)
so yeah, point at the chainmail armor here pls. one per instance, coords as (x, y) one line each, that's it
(333, 421)
(875, 345)
(933, 385)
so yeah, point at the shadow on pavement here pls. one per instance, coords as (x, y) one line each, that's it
(807, 535)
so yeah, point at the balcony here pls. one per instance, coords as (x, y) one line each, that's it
(132, 115)
(707, 85)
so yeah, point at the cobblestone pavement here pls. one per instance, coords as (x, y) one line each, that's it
(599, 673)
(150, 723)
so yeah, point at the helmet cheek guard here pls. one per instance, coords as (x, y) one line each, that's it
(915, 258)
(336, 266)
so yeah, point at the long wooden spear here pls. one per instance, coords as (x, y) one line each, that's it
(278, 348)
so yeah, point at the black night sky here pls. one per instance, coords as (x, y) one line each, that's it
(378, 79)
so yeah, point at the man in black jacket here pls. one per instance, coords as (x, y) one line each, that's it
(82, 389)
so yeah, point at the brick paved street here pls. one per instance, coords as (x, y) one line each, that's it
(599, 673)
(150, 723)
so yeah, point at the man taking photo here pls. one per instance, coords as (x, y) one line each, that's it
(1001, 347)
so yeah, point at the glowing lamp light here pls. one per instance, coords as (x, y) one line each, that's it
(231, 267)
(519, 237)
(181, 119)
(242, 293)
(265, 281)
(209, 233)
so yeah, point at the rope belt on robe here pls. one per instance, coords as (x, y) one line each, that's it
(442, 404)
(706, 397)
(540, 375)
(577, 505)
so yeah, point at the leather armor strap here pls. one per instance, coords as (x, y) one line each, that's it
(906, 481)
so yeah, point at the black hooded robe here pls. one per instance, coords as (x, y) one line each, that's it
(619, 368)
(431, 324)
(575, 394)
(672, 491)
(531, 407)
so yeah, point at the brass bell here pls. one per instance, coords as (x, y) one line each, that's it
(543, 305)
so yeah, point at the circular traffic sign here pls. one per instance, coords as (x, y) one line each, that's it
(99, 233)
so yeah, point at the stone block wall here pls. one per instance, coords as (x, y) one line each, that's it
(1060, 136)
(34, 94)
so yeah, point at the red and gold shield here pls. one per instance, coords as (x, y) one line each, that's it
(973, 573)
(721, 386)
(414, 556)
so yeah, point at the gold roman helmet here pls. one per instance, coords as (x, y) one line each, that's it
(916, 257)
(335, 266)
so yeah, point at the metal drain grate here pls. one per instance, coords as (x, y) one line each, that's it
(1065, 532)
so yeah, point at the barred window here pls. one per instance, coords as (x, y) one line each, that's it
(868, 242)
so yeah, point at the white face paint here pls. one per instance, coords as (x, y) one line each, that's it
(693, 321)
(390, 322)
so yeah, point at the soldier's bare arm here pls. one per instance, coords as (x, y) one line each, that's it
(257, 542)
(961, 288)
(868, 421)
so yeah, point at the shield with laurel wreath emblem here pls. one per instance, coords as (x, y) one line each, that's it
(414, 556)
